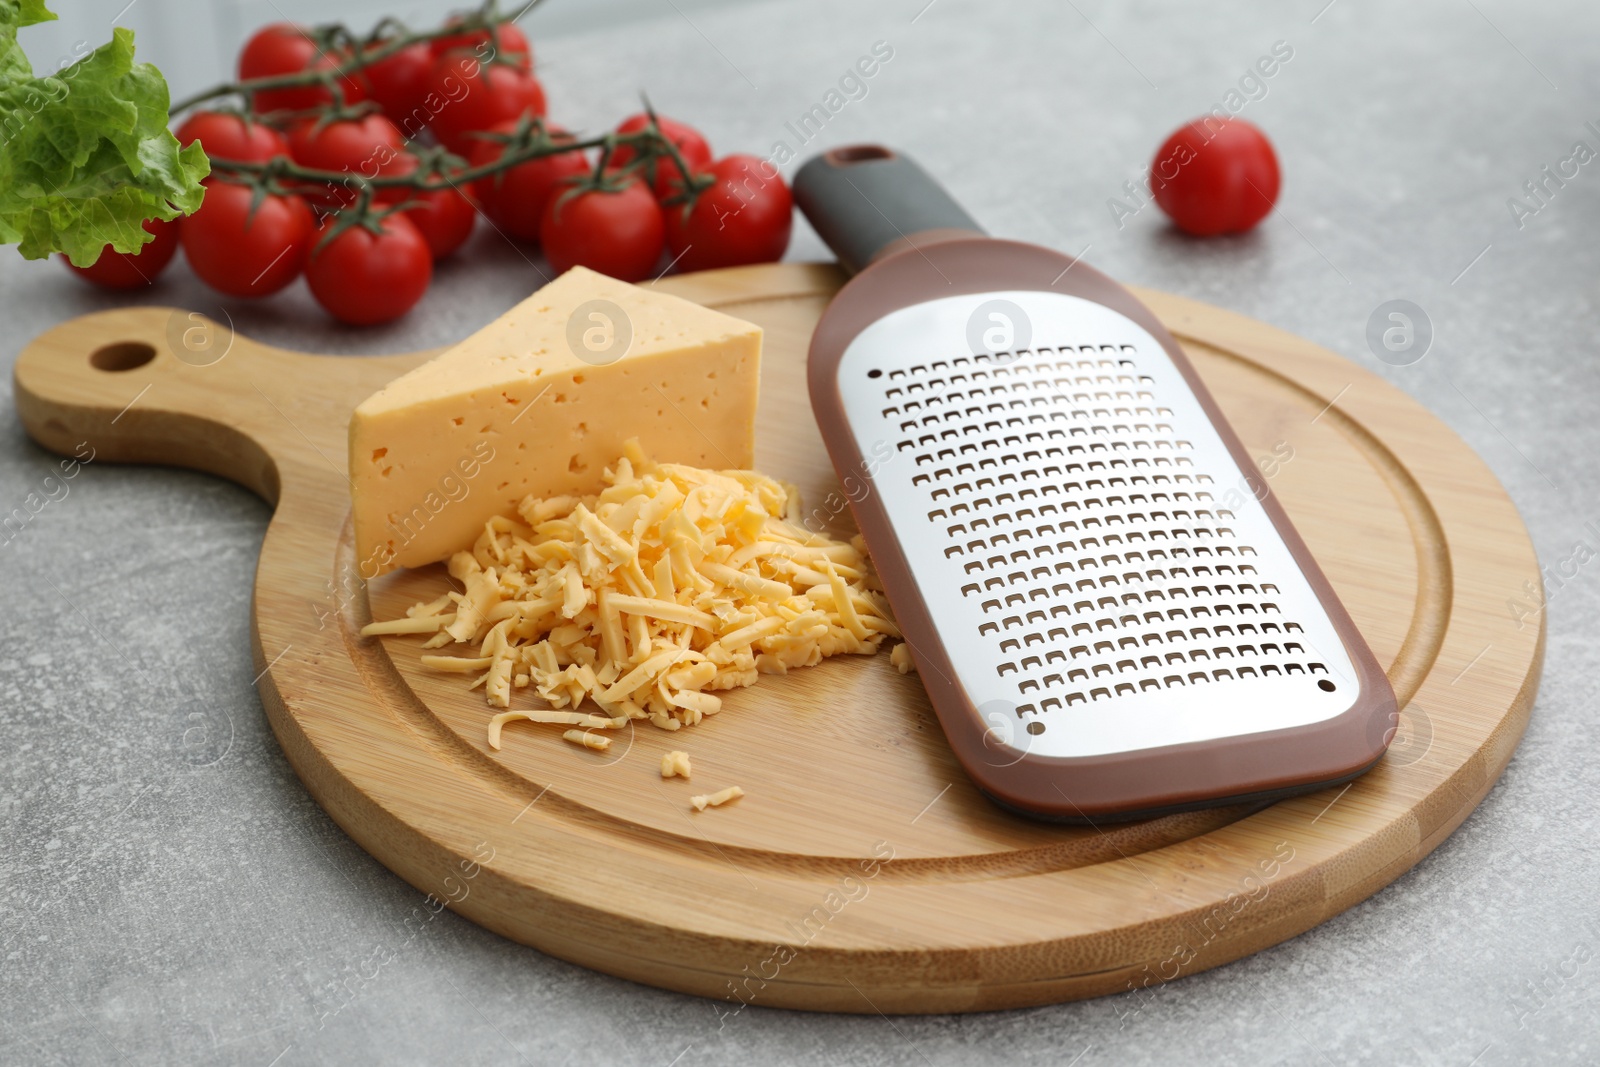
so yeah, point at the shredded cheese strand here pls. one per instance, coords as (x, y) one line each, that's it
(647, 599)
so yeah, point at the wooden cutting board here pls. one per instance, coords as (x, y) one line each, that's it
(862, 872)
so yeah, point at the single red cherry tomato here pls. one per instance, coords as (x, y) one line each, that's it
(279, 48)
(366, 147)
(665, 178)
(285, 48)
(226, 136)
(513, 44)
(365, 278)
(1215, 176)
(477, 96)
(515, 199)
(745, 216)
(133, 270)
(242, 254)
(444, 217)
(619, 233)
(400, 84)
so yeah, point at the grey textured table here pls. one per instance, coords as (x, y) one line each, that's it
(170, 894)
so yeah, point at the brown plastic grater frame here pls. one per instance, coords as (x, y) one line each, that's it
(993, 743)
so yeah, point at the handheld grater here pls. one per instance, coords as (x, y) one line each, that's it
(1111, 614)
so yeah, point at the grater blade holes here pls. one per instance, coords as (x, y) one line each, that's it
(1051, 457)
(1079, 544)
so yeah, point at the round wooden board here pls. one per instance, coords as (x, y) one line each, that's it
(862, 872)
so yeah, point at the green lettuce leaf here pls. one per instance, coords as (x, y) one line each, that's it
(85, 154)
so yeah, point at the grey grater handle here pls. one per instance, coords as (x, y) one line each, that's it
(866, 200)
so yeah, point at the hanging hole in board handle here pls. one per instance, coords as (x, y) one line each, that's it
(121, 356)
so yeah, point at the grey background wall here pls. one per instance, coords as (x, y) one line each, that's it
(159, 906)
(195, 42)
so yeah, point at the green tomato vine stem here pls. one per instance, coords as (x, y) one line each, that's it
(439, 170)
(358, 52)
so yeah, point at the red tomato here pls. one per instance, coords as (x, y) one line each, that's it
(363, 148)
(400, 83)
(513, 44)
(444, 217)
(244, 255)
(133, 270)
(225, 136)
(617, 233)
(477, 96)
(285, 48)
(365, 278)
(1216, 177)
(744, 217)
(515, 199)
(667, 179)
(280, 48)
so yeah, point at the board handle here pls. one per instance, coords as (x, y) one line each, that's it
(171, 386)
(866, 201)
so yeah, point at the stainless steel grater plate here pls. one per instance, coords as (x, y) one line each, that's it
(1081, 535)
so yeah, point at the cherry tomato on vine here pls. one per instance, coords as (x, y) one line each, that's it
(228, 136)
(285, 48)
(444, 217)
(279, 48)
(364, 277)
(366, 147)
(242, 254)
(744, 217)
(400, 83)
(477, 96)
(1215, 177)
(513, 44)
(515, 199)
(133, 270)
(616, 232)
(667, 179)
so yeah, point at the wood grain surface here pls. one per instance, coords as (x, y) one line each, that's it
(862, 872)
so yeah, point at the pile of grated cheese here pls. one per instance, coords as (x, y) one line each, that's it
(670, 585)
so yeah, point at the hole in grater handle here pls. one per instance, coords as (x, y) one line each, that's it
(857, 153)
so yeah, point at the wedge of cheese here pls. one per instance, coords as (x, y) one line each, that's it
(538, 402)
